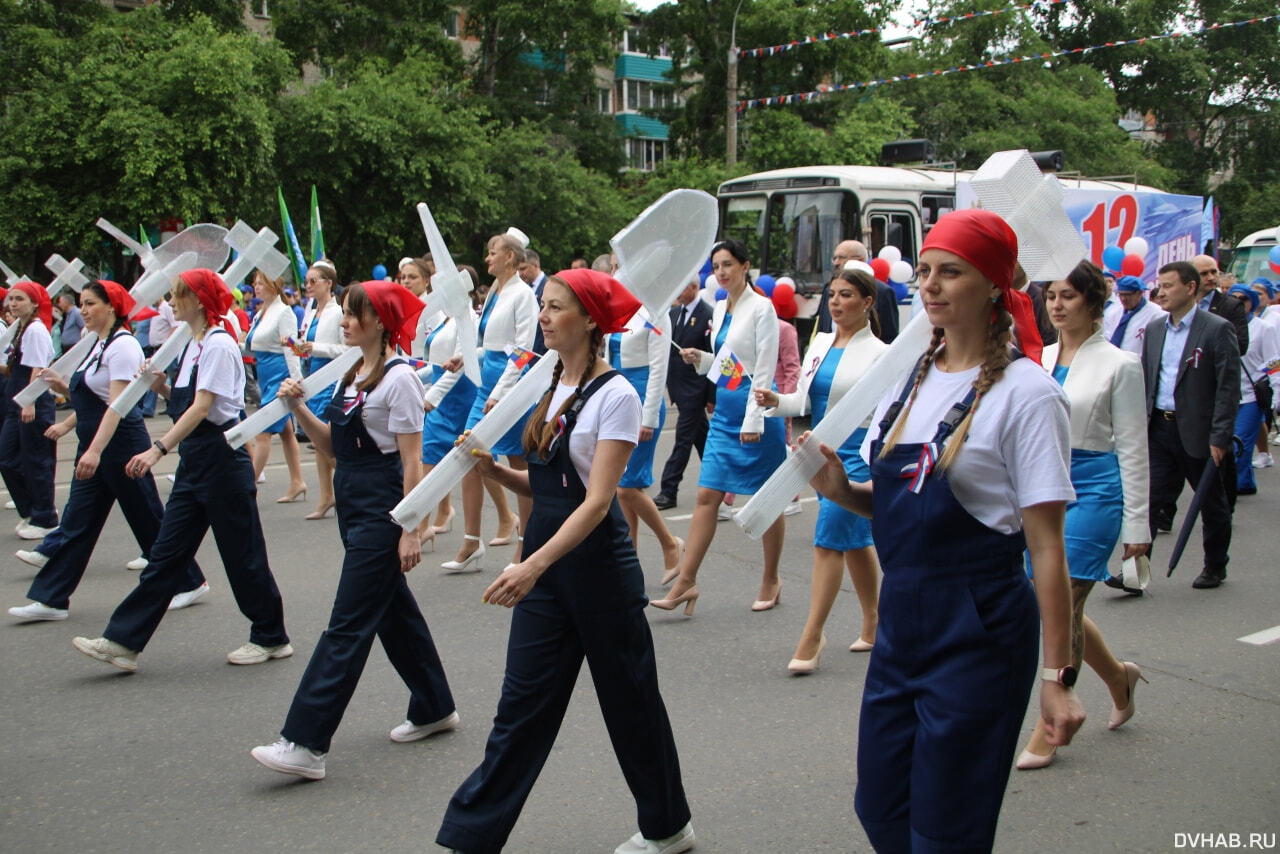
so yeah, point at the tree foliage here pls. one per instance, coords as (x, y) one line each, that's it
(339, 36)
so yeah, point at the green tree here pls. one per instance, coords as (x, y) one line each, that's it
(340, 35)
(226, 15)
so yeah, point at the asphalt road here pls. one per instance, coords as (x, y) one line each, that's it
(97, 760)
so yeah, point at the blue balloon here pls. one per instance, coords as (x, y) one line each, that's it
(721, 293)
(1274, 255)
(379, 272)
(766, 284)
(706, 269)
(1113, 258)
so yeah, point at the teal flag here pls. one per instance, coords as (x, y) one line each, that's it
(295, 251)
(317, 233)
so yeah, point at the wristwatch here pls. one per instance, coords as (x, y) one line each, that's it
(1064, 676)
(159, 446)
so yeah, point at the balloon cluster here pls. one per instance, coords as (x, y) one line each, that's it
(890, 267)
(1128, 260)
(783, 294)
(1273, 257)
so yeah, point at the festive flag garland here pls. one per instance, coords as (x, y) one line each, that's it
(803, 97)
(919, 22)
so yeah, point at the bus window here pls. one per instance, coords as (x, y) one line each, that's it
(932, 208)
(893, 229)
(742, 219)
(804, 229)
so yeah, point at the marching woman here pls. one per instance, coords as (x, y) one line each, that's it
(578, 591)
(743, 447)
(106, 443)
(1264, 350)
(374, 431)
(835, 361)
(1106, 390)
(969, 468)
(641, 354)
(213, 488)
(448, 403)
(508, 319)
(320, 337)
(27, 456)
(273, 324)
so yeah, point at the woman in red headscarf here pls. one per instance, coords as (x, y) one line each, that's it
(374, 432)
(27, 456)
(969, 470)
(105, 443)
(578, 590)
(213, 488)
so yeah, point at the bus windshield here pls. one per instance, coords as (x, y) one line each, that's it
(804, 229)
(1251, 262)
(743, 220)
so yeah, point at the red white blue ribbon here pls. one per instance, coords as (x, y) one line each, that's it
(918, 471)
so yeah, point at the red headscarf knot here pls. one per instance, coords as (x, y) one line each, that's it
(986, 241)
(212, 292)
(398, 309)
(121, 303)
(39, 296)
(605, 299)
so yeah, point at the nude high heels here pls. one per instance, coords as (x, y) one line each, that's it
(689, 598)
(1028, 761)
(505, 539)
(471, 563)
(669, 573)
(319, 513)
(768, 604)
(1120, 716)
(801, 666)
(447, 526)
(300, 495)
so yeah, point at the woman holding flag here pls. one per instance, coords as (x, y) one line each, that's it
(374, 431)
(320, 342)
(743, 447)
(274, 326)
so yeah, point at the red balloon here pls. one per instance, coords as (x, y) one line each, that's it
(785, 308)
(880, 267)
(1275, 268)
(1132, 265)
(783, 291)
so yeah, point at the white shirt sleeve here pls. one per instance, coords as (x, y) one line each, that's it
(221, 369)
(37, 346)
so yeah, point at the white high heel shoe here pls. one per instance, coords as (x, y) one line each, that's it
(471, 563)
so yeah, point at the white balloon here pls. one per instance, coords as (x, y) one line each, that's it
(708, 280)
(1136, 246)
(901, 271)
(892, 254)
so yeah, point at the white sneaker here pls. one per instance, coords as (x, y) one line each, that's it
(289, 758)
(22, 523)
(38, 611)
(33, 532)
(251, 653)
(34, 558)
(171, 478)
(137, 564)
(262, 478)
(1263, 460)
(9, 505)
(723, 513)
(108, 651)
(682, 841)
(793, 508)
(409, 731)
(182, 600)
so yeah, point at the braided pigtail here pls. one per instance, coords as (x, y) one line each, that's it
(997, 359)
(898, 425)
(537, 432)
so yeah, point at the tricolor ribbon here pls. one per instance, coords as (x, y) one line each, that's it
(349, 405)
(919, 470)
(1194, 359)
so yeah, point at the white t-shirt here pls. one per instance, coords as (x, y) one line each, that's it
(612, 412)
(221, 373)
(37, 345)
(1018, 451)
(122, 361)
(393, 408)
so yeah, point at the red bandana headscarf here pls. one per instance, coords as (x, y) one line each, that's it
(121, 303)
(987, 242)
(212, 292)
(397, 308)
(605, 299)
(39, 296)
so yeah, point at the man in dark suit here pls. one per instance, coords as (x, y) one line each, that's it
(529, 266)
(689, 389)
(1214, 301)
(1191, 362)
(886, 304)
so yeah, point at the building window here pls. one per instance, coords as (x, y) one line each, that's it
(451, 25)
(645, 154)
(635, 95)
(604, 101)
(260, 9)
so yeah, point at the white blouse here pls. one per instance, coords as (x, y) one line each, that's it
(512, 323)
(641, 347)
(859, 352)
(753, 338)
(328, 343)
(274, 323)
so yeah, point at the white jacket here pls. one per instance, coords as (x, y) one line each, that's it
(443, 348)
(1264, 348)
(273, 323)
(512, 323)
(753, 338)
(863, 349)
(642, 347)
(1108, 400)
(328, 343)
(1132, 340)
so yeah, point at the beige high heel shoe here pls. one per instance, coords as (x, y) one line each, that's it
(447, 526)
(1120, 716)
(300, 495)
(669, 573)
(689, 598)
(505, 539)
(800, 666)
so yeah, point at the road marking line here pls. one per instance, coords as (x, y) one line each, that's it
(1263, 637)
(684, 517)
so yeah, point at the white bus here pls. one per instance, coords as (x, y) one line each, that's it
(1249, 258)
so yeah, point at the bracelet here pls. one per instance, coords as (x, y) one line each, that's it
(159, 446)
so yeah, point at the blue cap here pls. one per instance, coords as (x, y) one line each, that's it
(1129, 283)
(1266, 286)
(1249, 293)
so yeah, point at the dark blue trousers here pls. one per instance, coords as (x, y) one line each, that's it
(27, 461)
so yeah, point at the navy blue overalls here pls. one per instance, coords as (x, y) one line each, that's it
(954, 661)
(373, 596)
(589, 602)
(27, 458)
(213, 488)
(90, 501)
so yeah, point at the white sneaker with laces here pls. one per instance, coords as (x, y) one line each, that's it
(108, 651)
(190, 597)
(793, 508)
(38, 611)
(1263, 460)
(33, 532)
(409, 731)
(137, 564)
(252, 653)
(680, 842)
(289, 758)
(723, 513)
(22, 523)
(33, 557)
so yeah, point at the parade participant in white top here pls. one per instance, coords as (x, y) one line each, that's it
(273, 325)
(320, 338)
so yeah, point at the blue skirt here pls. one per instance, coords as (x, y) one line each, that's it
(728, 463)
(838, 529)
(639, 473)
(442, 425)
(272, 370)
(491, 368)
(1094, 518)
(320, 402)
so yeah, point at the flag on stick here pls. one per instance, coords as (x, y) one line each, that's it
(317, 233)
(727, 370)
(295, 251)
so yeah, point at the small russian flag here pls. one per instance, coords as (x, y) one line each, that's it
(727, 370)
(520, 356)
(648, 325)
(295, 347)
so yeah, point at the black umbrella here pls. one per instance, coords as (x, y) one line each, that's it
(1206, 481)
